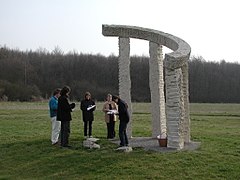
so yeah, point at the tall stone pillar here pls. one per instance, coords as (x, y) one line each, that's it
(174, 107)
(187, 137)
(124, 77)
(156, 84)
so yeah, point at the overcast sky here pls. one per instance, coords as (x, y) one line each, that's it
(210, 27)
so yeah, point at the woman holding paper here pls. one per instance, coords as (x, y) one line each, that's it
(64, 115)
(87, 106)
(110, 109)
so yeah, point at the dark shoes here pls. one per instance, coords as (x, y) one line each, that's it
(123, 145)
(66, 146)
(110, 138)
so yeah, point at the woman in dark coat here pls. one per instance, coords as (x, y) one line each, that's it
(124, 119)
(87, 106)
(64, 115)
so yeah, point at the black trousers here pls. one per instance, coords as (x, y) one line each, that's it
(111, 129)
(123, 133)
(87, 126)
(65, 132)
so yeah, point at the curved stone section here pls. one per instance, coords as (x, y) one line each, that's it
(181, 49)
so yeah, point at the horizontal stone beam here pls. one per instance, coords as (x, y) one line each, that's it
(174, 60)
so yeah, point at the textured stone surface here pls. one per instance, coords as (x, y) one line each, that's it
(124, 77)
(171, 118)
(91, 143)
(180, 47)
(152, 144)
(156, 84)
(125, 149)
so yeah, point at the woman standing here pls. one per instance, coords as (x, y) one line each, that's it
(87, 106)
(109, 108)
(124, 119)
(56, 125)
(64, 115)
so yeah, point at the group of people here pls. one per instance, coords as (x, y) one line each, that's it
(60, 113)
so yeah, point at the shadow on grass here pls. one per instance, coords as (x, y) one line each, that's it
(38, 158)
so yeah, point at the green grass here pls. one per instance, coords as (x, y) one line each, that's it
(26, 151)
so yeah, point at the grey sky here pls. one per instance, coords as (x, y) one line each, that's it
(209, 26)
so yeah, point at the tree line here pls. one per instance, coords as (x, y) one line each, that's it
(33, 75)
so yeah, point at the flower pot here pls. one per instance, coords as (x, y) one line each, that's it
(162, 142)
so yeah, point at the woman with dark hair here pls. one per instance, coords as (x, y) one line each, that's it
(87, 106)
(64, 115)
(124, 119)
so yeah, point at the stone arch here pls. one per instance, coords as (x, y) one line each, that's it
(170, 118)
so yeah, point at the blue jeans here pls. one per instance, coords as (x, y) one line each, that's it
(123, 134)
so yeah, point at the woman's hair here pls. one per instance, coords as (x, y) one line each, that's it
(65, 90)
(108, 95)
(87, 94)
(56, 91)
(115, 97)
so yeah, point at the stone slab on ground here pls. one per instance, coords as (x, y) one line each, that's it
(151, 144)
(125, 149)
(92, 139)
(90, 144)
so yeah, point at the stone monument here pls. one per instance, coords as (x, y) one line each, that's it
(170, 118)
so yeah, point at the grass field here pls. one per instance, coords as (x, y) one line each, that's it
(26, 151)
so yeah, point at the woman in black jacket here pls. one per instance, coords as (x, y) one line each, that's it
(64, 115)
(124, 119)
(87, 106)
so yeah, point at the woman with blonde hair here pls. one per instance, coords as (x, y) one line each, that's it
(110, 108)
